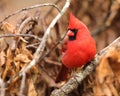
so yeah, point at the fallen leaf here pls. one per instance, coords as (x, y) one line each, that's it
(31, 89)
(22, 58)
(113, 57)
(104, 70)
(9, 29)
(9, 59)
(107, 73)
(2, 58)
(3, 44)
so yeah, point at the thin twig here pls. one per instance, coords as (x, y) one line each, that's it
(99, 30)
(33, 45)
(35, 22)
(23, 35)
(24, 23)
(42, 45)
(82, 74)
(109, 10)
(31, 7)
(51, 62)
(47, 14)
(53, 47)
(2, 86)
(22, 87)
(21, 20)
(43, 23)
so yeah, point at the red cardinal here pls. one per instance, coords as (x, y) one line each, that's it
(78, 49)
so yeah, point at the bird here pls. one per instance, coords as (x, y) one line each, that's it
(78, 48)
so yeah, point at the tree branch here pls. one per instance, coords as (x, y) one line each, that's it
(24, 23)
(40, 49)
(47, 14)
(82, 74)
(22, 87)
(23, 35)
(2, 87)
(28, 8)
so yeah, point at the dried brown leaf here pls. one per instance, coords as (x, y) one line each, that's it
(107, 73)
(26, 51)
(3, 44)
(31, 89)
(22, 58)
(2, 58)
(9, 60)
(9, 29)
(104, 70)
(17, 65)
(113, 57)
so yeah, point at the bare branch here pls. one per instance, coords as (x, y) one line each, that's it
(31, 7)
(82, 74)
(41, 47)
(51, 62)
(109, 10)
(47, 53)
(43, 23)
(26, 21)
(21, 20)
(22, 87)
(56, 2)
(23, 35)
(33, 45)
(100, 29)
(2, 86)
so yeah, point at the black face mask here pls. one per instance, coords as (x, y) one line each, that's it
(75, 33)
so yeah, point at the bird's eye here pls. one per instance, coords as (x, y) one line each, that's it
(75, 33)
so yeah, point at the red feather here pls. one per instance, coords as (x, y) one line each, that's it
(62, 74)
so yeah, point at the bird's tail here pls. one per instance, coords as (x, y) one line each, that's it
(62, 74)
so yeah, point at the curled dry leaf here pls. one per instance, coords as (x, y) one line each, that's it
(7, 71)
(9, 29)
(113, 57)
(108, 74)
(2, 58)
(31, 89)
(104, 70)
(2, 61)
(14, 62)
(22, 58)
(3, 44)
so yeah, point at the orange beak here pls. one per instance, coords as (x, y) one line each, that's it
(70, 33)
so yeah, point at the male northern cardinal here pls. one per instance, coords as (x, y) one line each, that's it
(78, 49)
